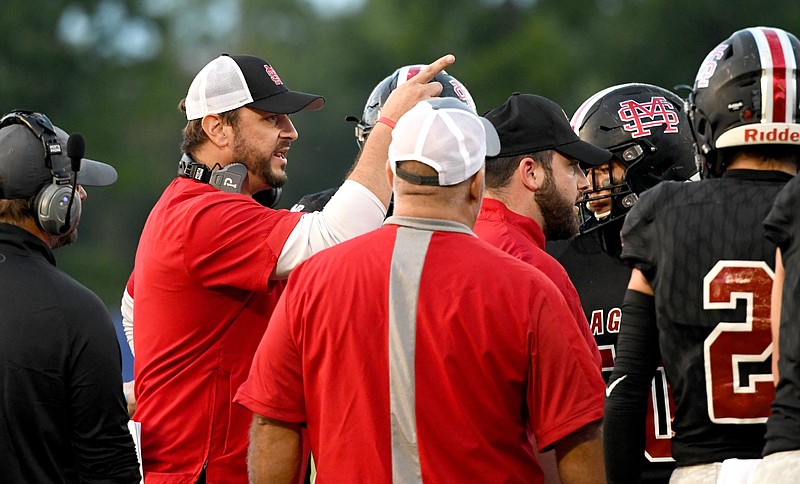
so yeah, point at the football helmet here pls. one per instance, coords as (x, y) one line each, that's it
(745, 94)
(646, 129)
(451, 87)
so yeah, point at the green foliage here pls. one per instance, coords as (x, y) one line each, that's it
(115, 70)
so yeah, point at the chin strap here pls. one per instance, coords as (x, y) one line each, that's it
(602, 216)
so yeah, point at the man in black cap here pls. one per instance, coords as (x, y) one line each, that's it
(61, 408)
(532, 186)
(212, 261)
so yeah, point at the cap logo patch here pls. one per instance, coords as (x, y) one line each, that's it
(640, 117)
(273, 75)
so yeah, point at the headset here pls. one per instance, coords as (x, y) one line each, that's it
(57, 208)
(228, 179)
(269, 197)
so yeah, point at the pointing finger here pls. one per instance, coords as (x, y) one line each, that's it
(437, 66)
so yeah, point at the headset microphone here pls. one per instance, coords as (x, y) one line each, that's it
(76, 148)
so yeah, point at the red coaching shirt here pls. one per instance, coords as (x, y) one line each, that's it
(421, 350)
(522, 238)
(203, 301)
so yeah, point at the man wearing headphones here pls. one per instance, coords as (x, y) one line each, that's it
(61, 407)
(212, 261)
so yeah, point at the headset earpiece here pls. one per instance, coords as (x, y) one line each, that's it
(52, 202)
(52, 205)
(269, 197)
(228, 179)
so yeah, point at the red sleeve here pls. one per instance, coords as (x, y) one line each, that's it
(242, 251)
(129, 285)
(274, 387)
(583, 324)
(566, 389)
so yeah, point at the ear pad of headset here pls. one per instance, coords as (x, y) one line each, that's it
(51, 209)
(269, 197)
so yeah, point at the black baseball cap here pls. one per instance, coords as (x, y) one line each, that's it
(23, 168)
(527, 123)
(232, 81)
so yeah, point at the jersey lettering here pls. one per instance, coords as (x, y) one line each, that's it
(614, 317)
(658, 447)
(596, 322)
(658, 443)
(599, 324)
(735, 395)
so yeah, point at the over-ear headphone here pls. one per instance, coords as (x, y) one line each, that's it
(228, 179)
(57, 207)
(269, 197)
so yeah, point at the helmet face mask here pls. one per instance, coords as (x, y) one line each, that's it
(745, 94)
(646, 129)
(451, 87)
(609, 197)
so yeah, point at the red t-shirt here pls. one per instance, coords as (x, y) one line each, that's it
(522, 238)
(489, 359)
(203, 300)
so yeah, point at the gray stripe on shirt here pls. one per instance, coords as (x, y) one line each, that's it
(411, 246)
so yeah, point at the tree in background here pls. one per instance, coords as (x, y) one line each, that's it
(115, 70)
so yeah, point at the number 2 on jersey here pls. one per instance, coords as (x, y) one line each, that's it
(735, 397)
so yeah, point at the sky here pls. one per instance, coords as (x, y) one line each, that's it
(116, 32)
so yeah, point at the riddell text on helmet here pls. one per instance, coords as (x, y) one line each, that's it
(785, 135)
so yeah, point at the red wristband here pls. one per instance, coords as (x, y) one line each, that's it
(388, 122)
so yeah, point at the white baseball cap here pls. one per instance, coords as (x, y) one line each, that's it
(445, 134)
(232, 81)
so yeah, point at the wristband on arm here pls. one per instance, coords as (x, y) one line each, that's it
(388, 122)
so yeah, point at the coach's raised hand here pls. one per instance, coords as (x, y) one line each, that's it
(370, 168)
(419, 87)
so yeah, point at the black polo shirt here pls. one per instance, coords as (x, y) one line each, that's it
(62, 414)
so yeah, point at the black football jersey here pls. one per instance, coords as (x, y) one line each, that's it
(601, 281)
(703, 248)
(783, 228)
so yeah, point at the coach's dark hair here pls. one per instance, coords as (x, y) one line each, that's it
(500, 170)
(193, 134)
(17, 211)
